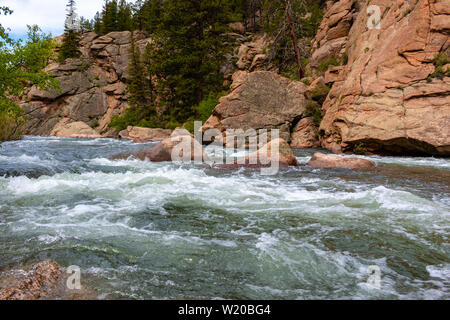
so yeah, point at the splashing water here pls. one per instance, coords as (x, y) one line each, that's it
(142, 230)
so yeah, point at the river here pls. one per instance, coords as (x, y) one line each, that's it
(142, 230)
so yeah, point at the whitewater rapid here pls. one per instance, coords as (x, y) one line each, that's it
(143, 230)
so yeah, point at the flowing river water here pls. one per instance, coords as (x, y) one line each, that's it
(142, 230)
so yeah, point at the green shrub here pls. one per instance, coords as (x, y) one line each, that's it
(314, 109)
(360, 148)
(131, 117)
(172, 125)
(12, 121)
(320, 93)
(323, 66)
(204, 110)
(439, 62)
(150, 123)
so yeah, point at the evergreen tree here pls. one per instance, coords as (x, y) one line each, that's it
(138, 19)
(151, 13)
(138, 80)
(110, 17)
(187, 53)
(86, 24)
(71, 40)
(124, 17)
(97, 24)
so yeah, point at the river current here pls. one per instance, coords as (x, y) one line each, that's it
(142, 230)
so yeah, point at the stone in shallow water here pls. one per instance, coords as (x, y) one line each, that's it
(324, 161)
(45, 280)
(34, 284)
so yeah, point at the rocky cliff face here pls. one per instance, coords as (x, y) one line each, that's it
(92, 88)
(388, 97)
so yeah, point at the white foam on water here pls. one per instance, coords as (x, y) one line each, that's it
(130, 204)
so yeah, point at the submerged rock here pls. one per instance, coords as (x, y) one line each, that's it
(325, 161)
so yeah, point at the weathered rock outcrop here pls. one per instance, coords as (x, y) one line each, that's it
(324, 161)
(388, 97)
(332, 35)
(305, 134)
(260, 100)
(93, 87)
(143, 135)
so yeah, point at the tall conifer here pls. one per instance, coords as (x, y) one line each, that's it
(71, 39)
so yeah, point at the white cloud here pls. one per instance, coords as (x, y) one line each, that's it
(48, 14)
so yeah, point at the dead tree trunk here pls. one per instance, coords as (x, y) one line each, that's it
(301, 72)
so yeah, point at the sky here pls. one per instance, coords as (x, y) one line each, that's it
(49, 15)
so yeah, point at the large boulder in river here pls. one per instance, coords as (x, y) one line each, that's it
(276, 150)
(325, 161)
(178, 148)
(143, 135)
(260, 100)
(393, 94)
(78, 129)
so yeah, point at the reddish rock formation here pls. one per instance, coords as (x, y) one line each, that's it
(323, 161)
(386, 98)
(305, 134)
(260, 100)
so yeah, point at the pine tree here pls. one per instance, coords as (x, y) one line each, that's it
(71, 40)
(136, 80)
(86, 24)
(187, 53)
(97, 23)
(151, 13)
(124, 17)
(138, 20)
(110, 17)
